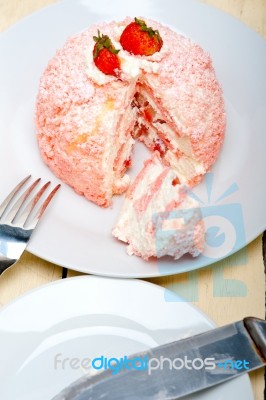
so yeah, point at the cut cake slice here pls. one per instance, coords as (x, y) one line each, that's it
(158, 217)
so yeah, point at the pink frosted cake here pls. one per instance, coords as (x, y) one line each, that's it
(87, 121)
(158, 218)
(110, 86)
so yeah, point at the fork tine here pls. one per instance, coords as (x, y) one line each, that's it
(43, 207)
(11, 195)
(16, 207)
(29, 208)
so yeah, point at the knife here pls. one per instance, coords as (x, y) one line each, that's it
(177, 369)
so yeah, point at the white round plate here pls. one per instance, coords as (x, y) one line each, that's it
(87, 317)
(76, 233)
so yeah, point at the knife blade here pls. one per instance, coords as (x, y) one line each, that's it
(180, 368)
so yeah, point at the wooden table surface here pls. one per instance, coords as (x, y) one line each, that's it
(248, 272)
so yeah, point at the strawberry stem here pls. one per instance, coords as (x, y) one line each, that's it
(151, 32)
(103, 42)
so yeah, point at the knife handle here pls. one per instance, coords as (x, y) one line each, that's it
(256, 328)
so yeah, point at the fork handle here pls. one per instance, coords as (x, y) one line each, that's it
(5, 263)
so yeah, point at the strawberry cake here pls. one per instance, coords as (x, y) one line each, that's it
(158, 217)
(121, 82)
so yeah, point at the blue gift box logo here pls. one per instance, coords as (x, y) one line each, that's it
(224, 223)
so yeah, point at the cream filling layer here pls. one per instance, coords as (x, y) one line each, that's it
(125, 126)
(185, 167)
(181, 143)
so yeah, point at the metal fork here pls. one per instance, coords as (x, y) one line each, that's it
(17, 221)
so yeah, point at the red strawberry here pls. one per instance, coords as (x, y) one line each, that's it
(139, 39)
(105, 55)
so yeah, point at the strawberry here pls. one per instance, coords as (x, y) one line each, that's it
(149, 113)
(105, 55)
(139, 39)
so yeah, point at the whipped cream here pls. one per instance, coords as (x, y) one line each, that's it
(132, 66)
